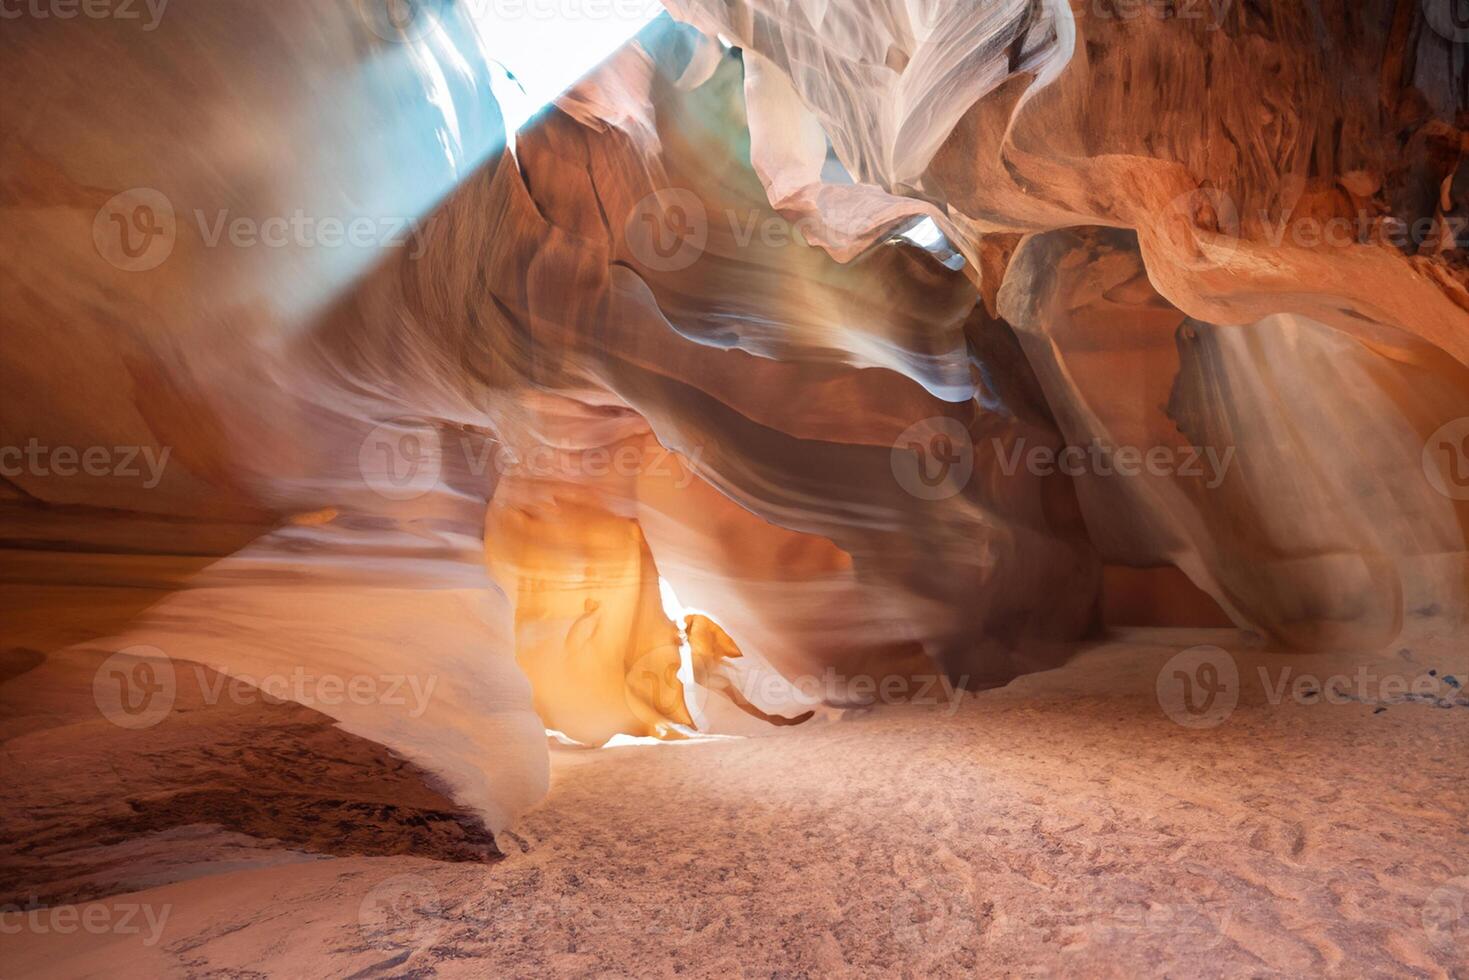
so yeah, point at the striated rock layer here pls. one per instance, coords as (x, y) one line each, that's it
(795, 307)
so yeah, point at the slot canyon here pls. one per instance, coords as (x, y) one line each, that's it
(734, 488)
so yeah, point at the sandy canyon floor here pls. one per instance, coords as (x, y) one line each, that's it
(1064, 825)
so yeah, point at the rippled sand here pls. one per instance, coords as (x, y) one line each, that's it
(1063, 825)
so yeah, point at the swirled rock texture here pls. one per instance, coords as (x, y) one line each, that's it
(888, 337)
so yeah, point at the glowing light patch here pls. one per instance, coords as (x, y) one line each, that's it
(927, 235)
(546, 45)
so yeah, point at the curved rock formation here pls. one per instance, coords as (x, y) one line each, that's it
(844, 320)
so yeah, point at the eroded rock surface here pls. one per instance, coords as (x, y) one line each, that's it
(771, 323)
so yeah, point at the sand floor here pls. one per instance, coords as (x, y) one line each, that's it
(1064, 825)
